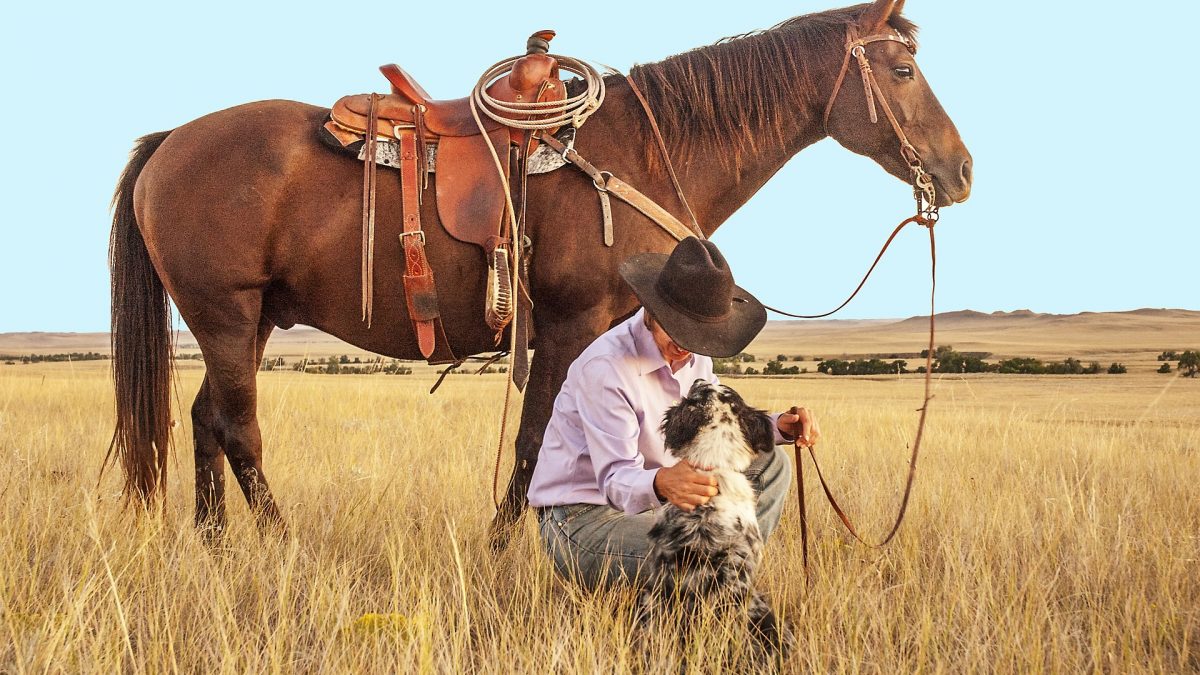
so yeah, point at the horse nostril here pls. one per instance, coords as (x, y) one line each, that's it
(966, 172)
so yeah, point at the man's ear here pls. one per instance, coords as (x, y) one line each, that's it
(875, 18)
(758, 429)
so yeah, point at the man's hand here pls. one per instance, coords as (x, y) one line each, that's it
(685, 487)
(800, 424)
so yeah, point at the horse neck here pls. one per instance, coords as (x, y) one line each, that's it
(714, 184)
(716, 189)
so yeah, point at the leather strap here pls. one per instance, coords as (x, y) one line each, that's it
(606, 184)
(916, 448)
(662, 148)
(368, 211)
(918, 219)
(419, 289)
(630, 195)
(857, 47)
(523, 320)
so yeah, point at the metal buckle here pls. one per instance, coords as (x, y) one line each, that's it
(419, 233)
(606, 175)
(569, 147)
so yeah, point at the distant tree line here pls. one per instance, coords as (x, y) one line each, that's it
(733, 365)
(338, 365)
(947, 360)
(862, 367)
(346, 365)
(12, 360)
(1188, 362)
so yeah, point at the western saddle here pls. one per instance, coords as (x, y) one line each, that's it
(478, 160)
(484, 147)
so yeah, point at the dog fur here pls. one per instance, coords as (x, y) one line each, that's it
(705, 559)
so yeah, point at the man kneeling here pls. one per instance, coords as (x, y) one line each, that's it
(603, 470)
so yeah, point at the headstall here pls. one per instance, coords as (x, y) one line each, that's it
(856, 47)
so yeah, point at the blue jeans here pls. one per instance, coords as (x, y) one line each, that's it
(595, 545)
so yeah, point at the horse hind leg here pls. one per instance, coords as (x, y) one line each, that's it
(209, 453)
(232, 355)
(210, 465)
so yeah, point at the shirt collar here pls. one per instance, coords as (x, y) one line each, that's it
(649, 358)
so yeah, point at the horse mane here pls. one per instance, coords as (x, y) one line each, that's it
(728, 98)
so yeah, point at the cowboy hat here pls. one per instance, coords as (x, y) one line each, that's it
(692, 296)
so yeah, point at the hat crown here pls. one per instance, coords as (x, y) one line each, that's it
(696, 281)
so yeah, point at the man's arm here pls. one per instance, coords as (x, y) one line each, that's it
(610, 427)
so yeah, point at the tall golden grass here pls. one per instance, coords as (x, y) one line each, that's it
(1055, 527)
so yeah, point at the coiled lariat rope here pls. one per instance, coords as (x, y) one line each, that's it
(573, 110)
(531, 116)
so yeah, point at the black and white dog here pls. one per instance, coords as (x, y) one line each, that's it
(705, 559)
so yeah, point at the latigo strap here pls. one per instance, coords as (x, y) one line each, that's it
(419, 289)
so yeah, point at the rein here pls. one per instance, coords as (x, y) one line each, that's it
(926, 216)
(924, 409)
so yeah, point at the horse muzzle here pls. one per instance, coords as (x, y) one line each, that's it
(953, 182)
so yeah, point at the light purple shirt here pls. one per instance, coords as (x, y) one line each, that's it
(603, 444)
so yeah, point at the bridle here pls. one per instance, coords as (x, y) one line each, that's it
(926, 215)
(856, 47)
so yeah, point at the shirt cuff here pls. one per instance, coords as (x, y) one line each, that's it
(780, 439)
(641, 495)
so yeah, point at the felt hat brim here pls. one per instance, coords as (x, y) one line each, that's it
(719, 339)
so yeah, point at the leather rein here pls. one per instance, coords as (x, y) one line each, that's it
(926, 215)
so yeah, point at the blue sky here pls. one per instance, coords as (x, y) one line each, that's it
(1080, 122)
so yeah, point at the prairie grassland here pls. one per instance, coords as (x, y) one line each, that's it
(1054, 527)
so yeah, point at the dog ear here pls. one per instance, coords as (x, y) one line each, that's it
(758, 430)
(681, 423)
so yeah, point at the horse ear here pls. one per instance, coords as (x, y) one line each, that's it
(875, 18)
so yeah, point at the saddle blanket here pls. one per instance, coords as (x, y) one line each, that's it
(543, 160)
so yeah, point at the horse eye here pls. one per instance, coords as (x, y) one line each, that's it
(903, 71)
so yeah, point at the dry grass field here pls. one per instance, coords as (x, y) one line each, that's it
(1055, 527)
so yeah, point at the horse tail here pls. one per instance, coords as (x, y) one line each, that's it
(141, 343)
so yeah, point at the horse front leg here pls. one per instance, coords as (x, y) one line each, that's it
(558, 346)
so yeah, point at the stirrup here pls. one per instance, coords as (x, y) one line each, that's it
(498, 311)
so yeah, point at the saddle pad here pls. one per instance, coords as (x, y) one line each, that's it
(543, 160)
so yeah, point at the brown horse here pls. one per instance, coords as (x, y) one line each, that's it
(248, 222)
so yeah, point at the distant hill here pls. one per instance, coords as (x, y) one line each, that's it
(1138, 335)
(1025, 317)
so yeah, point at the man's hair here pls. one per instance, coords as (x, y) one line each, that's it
(648, 319)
